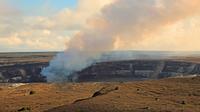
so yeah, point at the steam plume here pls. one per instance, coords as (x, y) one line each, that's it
(119, 25)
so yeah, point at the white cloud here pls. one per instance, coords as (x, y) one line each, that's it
(13, 40)
(53, 32)
(44, 32)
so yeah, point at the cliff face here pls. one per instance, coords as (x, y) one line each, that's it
(26, 67)
(105, 71)
(23, 67)
(136, 70)
(22, 73)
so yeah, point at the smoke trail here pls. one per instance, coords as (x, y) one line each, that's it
(119, 24)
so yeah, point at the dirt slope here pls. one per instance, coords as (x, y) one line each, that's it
(169, 95)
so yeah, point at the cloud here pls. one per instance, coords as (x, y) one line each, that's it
(128, 24)
(7, 9)
(123, 20)
(133, 21)
(44, 32)
(12, 40)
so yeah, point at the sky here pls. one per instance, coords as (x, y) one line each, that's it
(18, 19)
(39, 7)
(53, 25)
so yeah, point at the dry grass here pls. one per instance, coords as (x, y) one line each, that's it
(169, 95)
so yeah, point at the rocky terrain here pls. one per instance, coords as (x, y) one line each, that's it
(137, 70)
(26, 68)
(173, 85)
(23, 67)
(165, 95)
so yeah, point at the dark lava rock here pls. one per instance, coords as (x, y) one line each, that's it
(105, 90)
(32, 92)
(24, 109)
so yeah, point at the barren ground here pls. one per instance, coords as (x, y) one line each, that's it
(168, 95)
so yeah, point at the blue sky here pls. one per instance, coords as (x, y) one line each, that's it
(41, 7)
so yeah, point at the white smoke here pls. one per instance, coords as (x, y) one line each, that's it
(120, 24)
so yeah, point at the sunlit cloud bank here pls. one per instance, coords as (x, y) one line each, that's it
(165, 25)
(24, 32)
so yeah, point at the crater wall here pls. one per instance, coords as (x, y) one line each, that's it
(136, 70)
